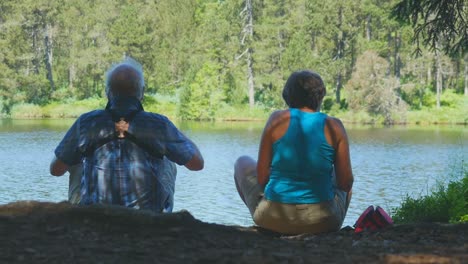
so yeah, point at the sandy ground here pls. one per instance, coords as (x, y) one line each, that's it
(35, 232)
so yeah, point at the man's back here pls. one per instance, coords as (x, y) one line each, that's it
(129, 171)
(127, 154)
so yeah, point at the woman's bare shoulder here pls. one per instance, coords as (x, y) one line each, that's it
(335, 127)
(334, 122)
(279, 113)
(278, 116)
(277, 122)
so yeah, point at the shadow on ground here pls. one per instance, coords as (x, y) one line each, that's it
(38, 232)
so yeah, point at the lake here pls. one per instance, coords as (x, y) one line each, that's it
(389, 163)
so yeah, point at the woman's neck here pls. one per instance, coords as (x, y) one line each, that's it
(307, 109)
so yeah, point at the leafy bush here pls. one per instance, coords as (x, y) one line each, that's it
(327, 104)
(449, 98)
(371, 90)
(446, 204)
(200, 97)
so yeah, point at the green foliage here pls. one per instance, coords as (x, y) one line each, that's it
(370, 89)
(234, 94)
(201, 97)
(161, 104)
(327, 104)
(436, 22)
(72, 108)
(26, 111)
(449, 98)
(417, 96)
(173, 40)
(446, 204)
(242, 112)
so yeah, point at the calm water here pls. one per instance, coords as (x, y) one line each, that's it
(388, 164)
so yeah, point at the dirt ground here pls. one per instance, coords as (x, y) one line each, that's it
(37, 232)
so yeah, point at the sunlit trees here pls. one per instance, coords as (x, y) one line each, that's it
(373, 90)
(241, 51)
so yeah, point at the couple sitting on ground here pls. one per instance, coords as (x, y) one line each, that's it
(126, 156)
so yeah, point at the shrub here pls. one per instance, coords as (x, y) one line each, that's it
(449, 98)
(446, 204)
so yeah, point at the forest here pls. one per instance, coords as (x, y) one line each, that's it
(210, 59)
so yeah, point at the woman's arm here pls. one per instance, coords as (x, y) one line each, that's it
(264, 158)
(265, 153)
(339, 138)
(275, 128)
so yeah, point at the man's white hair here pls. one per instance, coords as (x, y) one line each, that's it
(133, 64)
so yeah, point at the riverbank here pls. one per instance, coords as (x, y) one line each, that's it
(452, 114)
(38, 232)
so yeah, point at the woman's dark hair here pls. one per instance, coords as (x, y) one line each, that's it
(304, 89)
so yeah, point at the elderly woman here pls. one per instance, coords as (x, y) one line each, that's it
(303, 179)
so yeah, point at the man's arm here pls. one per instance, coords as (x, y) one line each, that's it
(58, 167)
(196, 163)
(66, 151)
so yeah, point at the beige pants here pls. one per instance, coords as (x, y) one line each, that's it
(290, 218)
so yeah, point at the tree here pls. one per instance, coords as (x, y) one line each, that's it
(246, 43)
(370, 88)
(441, 25)
(337, 25)
(200, 97)
(436, 22)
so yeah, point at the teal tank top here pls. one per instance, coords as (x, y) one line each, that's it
(302, 163)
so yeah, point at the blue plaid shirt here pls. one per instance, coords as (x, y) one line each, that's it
(120, 172)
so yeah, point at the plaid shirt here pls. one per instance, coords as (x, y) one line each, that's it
(120, 172)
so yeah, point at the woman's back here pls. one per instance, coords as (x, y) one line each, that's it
(302, 161)
(291, 188)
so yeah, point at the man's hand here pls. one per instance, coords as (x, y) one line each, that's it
(121, 127)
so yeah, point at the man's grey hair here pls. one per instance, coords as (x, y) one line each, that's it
(138, 83)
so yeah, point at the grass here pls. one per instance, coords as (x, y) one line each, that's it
(450, 113)
(443, 115)
(240, 113)
(68, 109)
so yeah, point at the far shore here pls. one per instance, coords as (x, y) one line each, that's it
(247, 119)
(445, 115)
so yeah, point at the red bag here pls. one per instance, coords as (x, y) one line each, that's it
(372, 219)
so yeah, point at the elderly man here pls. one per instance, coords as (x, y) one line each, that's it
(127, 154)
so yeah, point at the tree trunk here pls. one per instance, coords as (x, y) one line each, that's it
(71, 76)
(438, 77)
(429, 74)
(48, 56)
(339, 84)
(249, 32)
(250, 79)
(340, 44)
(397, 65)
(368, 28)
(36, 49)
(466, 74)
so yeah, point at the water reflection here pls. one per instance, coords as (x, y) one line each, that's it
(388, 164)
